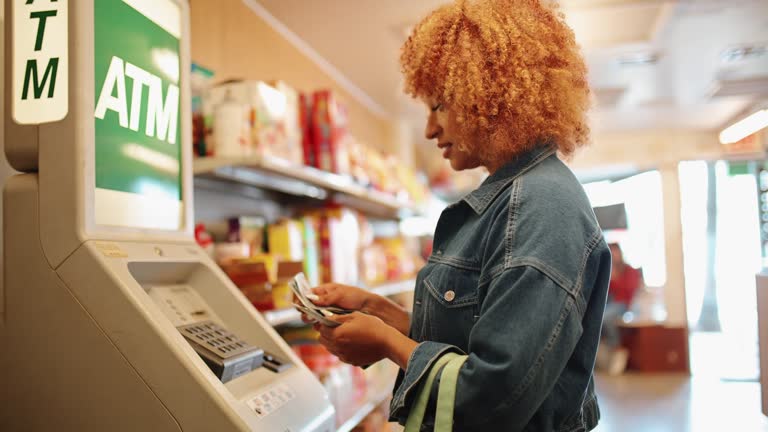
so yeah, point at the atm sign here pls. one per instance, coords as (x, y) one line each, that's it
(40, 61)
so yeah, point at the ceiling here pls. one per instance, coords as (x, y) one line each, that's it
(653, 64)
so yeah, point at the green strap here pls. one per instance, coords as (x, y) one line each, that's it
(416, 416)
(446, 396)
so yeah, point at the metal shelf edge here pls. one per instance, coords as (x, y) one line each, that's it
(315, 177)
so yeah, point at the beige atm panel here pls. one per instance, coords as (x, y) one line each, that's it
(113, 318)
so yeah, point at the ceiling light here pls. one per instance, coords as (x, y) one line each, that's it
(745, 127)
(743, 52)
(638, 59)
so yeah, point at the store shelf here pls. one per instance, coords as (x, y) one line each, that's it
(381, 391)
(282, 176)
(287, 316)
(366, 408)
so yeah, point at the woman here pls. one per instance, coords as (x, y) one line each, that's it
(519, 274)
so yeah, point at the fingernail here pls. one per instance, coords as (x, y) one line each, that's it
(313, 297)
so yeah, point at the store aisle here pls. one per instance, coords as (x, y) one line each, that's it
(678, 403)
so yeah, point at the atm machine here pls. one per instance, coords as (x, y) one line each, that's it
(112, 318)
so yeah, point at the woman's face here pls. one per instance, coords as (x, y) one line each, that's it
(443, 127)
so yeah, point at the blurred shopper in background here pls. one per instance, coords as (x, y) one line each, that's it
(625, 282)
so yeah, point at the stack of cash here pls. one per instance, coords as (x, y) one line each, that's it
(303, 303)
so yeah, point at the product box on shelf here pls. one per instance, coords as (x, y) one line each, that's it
(282, 296)
(338, 245)
(264, 279)
(309, 226)
(285, 239)
(249, 230)
(289, 147)
(272, 119)
(377, 170)
(232, 124)
(230, 251)
(253, 280)
(402, 255)
(200, 81)
(330, 133)
(358, 164)
(373, 265)
(305, 122)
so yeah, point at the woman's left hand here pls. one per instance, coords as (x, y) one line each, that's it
(360, 340)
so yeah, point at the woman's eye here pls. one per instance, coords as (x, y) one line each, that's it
(436, 107)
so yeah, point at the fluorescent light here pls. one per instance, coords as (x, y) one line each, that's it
(638, 59)
(744, 128)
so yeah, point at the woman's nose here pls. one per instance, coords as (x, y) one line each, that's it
(433, 129)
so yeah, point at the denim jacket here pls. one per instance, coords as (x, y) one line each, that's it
(518, 280)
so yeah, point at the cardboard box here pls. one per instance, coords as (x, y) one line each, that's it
(330, 134)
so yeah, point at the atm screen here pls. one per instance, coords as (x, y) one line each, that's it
(137, 114)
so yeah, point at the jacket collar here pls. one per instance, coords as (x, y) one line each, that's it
(483, 196)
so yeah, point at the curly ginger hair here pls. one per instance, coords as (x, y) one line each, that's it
(509, 69)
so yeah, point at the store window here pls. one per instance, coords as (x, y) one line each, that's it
(720, 218)
(642, 242)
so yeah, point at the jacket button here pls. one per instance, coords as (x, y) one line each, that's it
(449, 296)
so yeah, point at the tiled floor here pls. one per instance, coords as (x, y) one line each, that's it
(678, 403)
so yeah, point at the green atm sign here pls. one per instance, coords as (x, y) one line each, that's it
(137, 99)
(162, 116)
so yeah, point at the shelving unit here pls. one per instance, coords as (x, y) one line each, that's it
(256, 178)
(287, 316)
(366, 408)
(282, 176)
(379, 393)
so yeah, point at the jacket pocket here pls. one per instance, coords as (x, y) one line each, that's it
(450, 305)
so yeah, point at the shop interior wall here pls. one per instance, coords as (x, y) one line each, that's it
(645, 149)
(232, 40)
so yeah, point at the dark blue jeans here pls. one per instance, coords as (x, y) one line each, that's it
(613, 313)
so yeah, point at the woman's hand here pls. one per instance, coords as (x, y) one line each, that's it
(357, 299)
(360, 340)
(343, 296)
(363, 339)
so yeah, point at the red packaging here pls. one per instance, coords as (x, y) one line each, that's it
(329, 133)
(305, 122)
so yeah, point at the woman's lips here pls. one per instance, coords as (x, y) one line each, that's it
(446, 147)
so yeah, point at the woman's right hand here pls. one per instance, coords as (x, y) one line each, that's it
(343, 296)
(358, 299)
